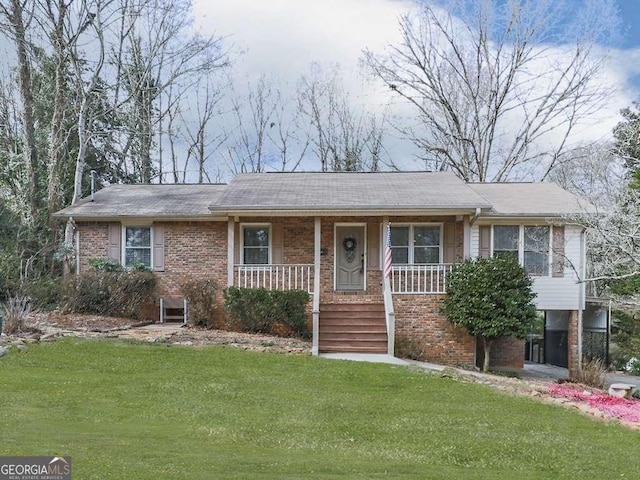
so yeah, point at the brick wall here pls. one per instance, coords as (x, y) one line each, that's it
(507, 353)
(418, 317)
(572, 344)
(199, 249)
(193, 250)
(94, 241)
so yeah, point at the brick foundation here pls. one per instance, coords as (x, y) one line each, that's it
(418, 318)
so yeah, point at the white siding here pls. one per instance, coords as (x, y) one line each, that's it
(554, 293)
(475, 241)
(563, 293)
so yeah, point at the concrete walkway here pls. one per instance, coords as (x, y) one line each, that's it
(531, 371)
(553, 373)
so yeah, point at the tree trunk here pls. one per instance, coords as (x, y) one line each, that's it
(24, 75)
(57, 133)
(487, 352)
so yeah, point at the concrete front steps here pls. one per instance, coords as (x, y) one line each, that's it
(352, 328)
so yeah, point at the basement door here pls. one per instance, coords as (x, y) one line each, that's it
(349, 259)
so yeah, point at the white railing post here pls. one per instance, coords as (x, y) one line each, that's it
(419, 279)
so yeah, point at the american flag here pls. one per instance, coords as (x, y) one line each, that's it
(387, 253)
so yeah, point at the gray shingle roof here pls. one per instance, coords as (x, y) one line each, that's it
(347, 191)
(329, 192)
(530, 199)
(157, 201)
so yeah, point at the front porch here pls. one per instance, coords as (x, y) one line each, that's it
(338, 261)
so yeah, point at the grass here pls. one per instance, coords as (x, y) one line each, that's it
(140, 411)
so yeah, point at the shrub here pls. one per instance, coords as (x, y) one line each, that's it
(105, 265)
(275, 312)
(123, 294)
(202, 299)
(16, 309)
(45, 292)
(633, 366)
(406, 347)
(591, 374)
(490, 298)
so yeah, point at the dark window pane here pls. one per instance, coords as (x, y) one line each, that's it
(426, 255)
(536, 263)
(138, 237)
(505, 238)
(536, 239)
(138, 255)
(400, 255)
(426, 235)
(256, 236)
(256, 255)
(399, 236)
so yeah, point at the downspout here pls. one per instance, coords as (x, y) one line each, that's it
(475, 216)
(316, 286)
(77, 244)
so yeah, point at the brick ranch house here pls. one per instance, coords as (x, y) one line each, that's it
(325, 233)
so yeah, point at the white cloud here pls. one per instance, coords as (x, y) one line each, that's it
(284, 36)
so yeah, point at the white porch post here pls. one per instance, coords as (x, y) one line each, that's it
(466, 238)
(231, 248)
(316, 285)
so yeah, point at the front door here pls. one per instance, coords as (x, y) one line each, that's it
(350, 261)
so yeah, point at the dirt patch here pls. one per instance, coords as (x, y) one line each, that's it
(56, 324)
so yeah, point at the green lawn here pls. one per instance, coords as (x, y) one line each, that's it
(143, 411)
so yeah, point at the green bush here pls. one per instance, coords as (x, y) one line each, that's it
(257, 310)
(105, 265)
(121, 294)
(202, 299)
(490, 298)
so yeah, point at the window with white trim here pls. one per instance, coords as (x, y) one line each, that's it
(137, 246)
(416, 244)
(527, 243)
(256, 242)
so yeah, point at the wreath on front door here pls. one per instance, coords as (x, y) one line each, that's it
(350, 245)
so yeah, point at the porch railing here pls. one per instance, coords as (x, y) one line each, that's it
(275, 277)
(420, 279)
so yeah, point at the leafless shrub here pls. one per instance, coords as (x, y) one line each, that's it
(16, 310)
(591, 374)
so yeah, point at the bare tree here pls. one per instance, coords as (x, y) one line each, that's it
(498, 88)
(14, 21)
(344, 137)
(614, 241)
(202, 143)
(160, 54)
(594, 172)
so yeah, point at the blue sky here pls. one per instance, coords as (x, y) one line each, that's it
(630, 13)
(281, 38)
